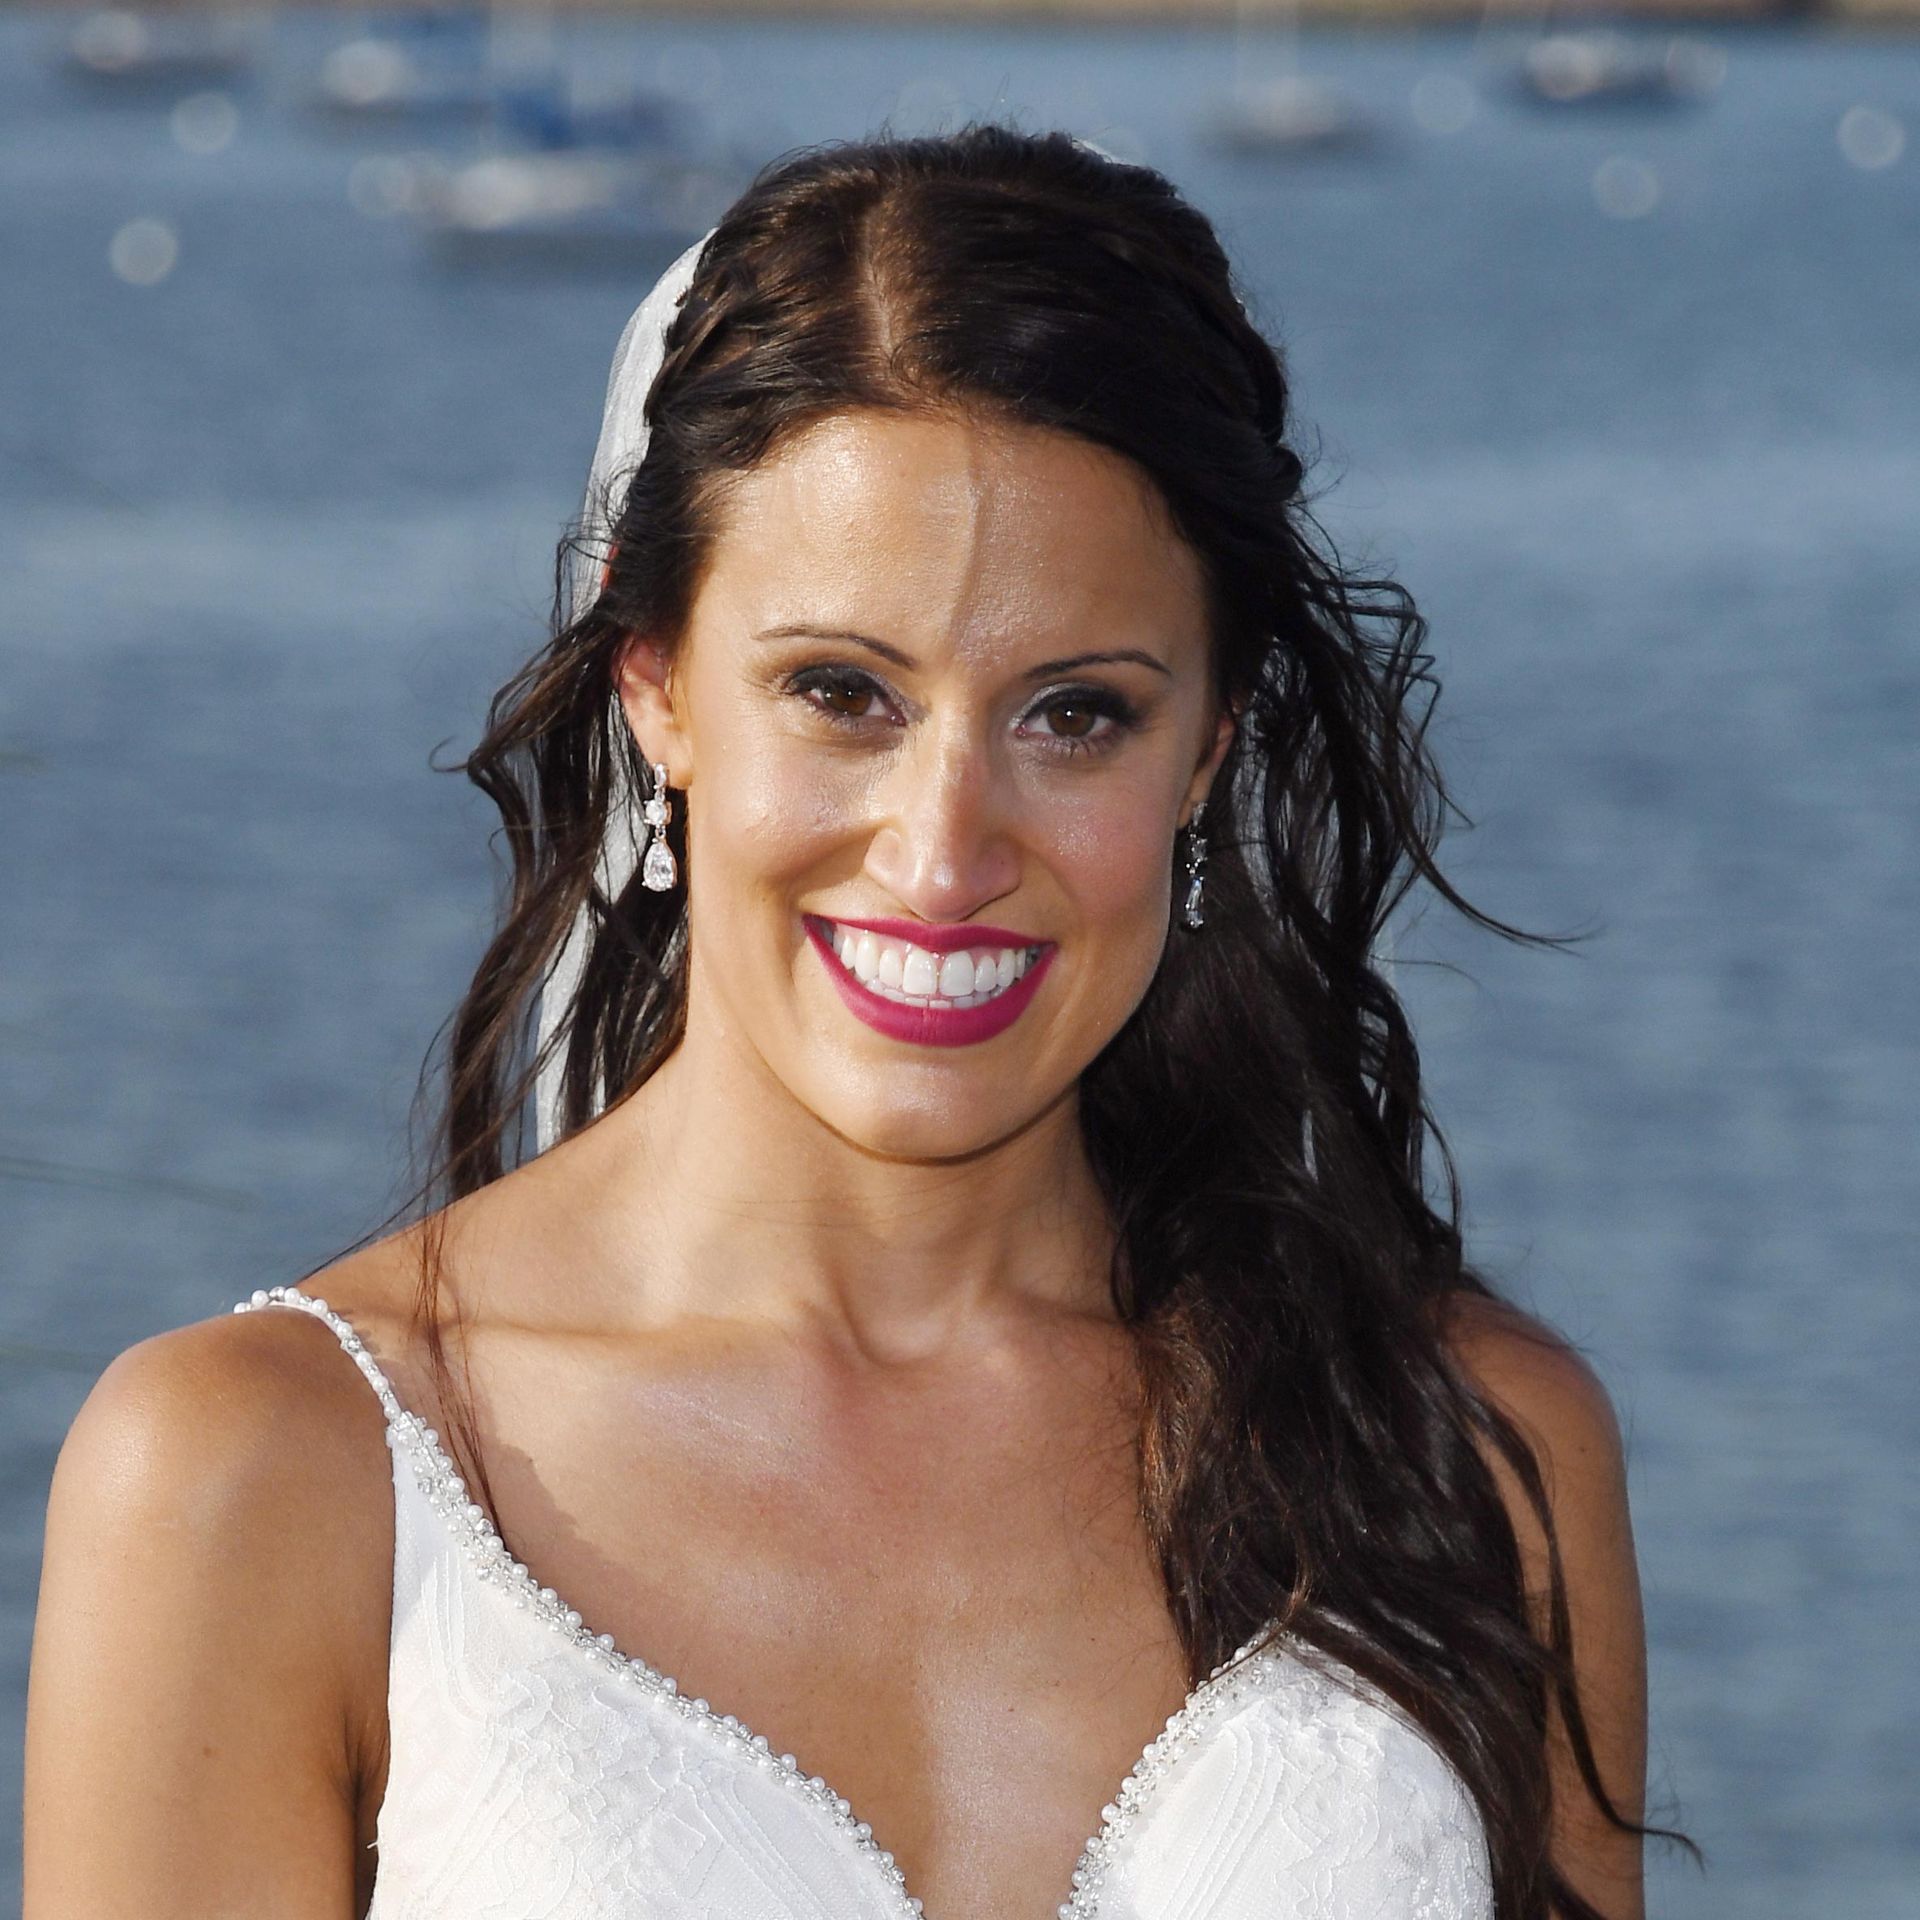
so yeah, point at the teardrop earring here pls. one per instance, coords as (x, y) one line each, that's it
(658, 869)
(1196, 870)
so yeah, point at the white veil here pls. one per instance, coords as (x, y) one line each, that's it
(622, 444)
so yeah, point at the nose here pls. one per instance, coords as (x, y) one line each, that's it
(944, 847)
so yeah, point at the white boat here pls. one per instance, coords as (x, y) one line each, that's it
(131, 52)
(474, 65)
(1607, 68)
(1272, 107)
(375, 77)
(440, 62)
(1291, 114)
(581, 211)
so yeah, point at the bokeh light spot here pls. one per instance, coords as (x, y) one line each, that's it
(144, 252)
(1625, 188)
(1870, 138)
(205, 122)
(110, 41)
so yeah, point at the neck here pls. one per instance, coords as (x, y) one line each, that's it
(711, 1193)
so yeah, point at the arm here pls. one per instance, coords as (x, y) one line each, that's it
(1553, 1397)
(194, 1733)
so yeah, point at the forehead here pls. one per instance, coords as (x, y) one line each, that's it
(952, 530)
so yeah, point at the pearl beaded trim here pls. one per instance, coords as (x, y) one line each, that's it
(439, 1478)
(1233, 1681)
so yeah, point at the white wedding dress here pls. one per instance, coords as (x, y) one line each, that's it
(537, 1772)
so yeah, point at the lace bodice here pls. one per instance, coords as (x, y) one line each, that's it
(538, 1772)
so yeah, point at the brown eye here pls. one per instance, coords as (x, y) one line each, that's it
(839, 694)
(1082, 719)
(847, 701)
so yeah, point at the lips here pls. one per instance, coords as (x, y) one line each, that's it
(930, 986)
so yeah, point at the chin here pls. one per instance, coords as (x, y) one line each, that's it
(944, 1125)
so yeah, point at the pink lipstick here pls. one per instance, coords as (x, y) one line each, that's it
(932, 1023)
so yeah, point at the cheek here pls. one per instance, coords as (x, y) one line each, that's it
(769, 806)
(1111, 857)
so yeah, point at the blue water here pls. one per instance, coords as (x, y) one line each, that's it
(272, 529)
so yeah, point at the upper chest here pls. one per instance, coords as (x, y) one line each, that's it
(935, 1590)
(532, 1756)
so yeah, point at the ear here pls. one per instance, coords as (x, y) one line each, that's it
(643, 678)
(1226, 725)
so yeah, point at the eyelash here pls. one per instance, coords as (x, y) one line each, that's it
(1102, 701)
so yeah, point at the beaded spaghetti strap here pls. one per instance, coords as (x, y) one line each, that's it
(1283, 1781)
(495, 1565)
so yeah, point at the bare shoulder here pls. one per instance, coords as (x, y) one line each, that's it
(206, 1690)
(1550, 1391)
(255, 1416)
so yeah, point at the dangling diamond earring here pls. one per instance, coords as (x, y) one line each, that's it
(1196, 870)
(658, 870)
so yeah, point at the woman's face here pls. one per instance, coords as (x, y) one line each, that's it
(943, 702)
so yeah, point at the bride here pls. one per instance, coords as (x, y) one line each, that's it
(969, 1407)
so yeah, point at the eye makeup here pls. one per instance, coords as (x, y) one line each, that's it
(1105, 704)
(1113, 714)
(819, 685)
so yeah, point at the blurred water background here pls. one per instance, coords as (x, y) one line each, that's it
(1629, 401)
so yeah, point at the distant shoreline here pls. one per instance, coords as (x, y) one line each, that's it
(1557, 16)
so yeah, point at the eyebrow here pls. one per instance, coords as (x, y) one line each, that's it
(1114, 657)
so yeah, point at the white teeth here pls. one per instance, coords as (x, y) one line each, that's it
(917, 976)
(897, 970)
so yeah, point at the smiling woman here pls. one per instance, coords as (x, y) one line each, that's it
(886, 658)
(974, 1313)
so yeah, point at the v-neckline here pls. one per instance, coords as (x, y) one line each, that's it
(494, 1562)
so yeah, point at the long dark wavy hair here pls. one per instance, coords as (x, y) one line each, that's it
(1310, 1453)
